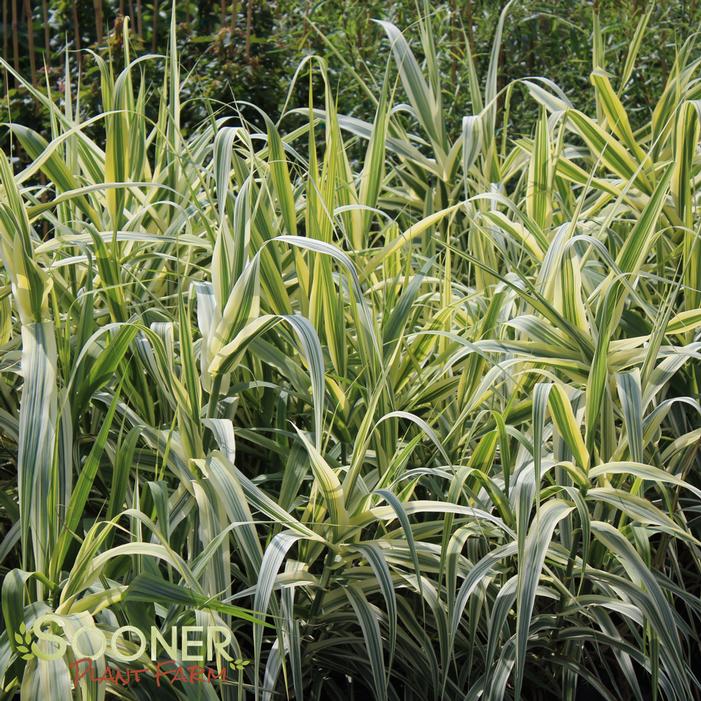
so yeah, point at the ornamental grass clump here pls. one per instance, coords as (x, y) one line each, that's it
(413, 414)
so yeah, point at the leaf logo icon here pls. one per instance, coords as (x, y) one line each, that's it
(24, 642)
(239, 664)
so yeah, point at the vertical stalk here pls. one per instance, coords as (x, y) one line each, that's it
(47, 38)
(15, 36)
(97, 4)
(76, 31)
(468, 22)
(140, 18)
(453, 47)
(234, 15)
(249, 27)
(154, 27)
(5, 32)
(30, 41)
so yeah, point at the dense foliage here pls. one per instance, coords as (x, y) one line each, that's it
(241, 51)
(422, 392)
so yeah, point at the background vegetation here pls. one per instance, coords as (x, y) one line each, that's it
(403, 359)
(248, 51)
